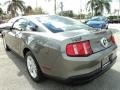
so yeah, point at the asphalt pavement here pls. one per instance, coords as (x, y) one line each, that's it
(14, 76)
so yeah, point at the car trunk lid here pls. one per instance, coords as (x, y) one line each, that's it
(99, 40)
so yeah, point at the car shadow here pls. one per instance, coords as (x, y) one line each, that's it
(108, 81)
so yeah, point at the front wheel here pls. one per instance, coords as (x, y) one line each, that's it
(33, 68)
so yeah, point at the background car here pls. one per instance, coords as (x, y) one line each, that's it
(98, 22)
(5, 26)
(1, 23)
(8, 25)
(114, 20)
(61, 47)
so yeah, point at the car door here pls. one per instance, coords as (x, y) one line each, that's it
(16, 33)
(20, 27)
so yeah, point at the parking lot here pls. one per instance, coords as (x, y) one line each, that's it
(14, 76)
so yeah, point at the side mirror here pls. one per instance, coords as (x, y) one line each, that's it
(86, 21)
(11, 28)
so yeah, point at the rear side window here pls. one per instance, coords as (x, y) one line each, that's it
(52, 28)
(34, 27)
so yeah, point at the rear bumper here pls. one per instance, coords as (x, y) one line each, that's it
(90, 76)
(66, 67)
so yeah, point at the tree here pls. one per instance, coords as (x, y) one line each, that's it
(68, 13)
(28, 10)
(98, 6)
(1, 11)
(90, 5)
(38, 10)
(14, 5)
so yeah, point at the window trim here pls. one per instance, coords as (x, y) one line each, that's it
(17, 21)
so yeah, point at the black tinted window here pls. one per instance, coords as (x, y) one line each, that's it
(32, 26)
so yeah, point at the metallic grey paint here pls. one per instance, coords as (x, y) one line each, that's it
(50, 50)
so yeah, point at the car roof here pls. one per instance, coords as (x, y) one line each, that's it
(30, 17)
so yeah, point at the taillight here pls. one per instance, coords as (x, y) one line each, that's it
(82, 49)
(113, 39)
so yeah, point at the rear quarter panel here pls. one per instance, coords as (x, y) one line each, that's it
(44, 48)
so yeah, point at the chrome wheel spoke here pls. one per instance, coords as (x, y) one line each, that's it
(31, 67)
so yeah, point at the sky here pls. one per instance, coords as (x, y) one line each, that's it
(74, 5)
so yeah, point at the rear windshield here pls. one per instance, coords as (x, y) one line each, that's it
(60, 24)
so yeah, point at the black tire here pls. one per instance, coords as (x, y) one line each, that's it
(39, 76)
(7, 48)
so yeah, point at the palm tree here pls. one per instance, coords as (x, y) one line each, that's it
(90, 5)
(98, 6)
(14, 5)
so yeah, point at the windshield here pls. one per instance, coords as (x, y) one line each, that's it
(61, 24)
(98, 19)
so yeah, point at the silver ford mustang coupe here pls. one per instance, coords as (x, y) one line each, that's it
(60, 47)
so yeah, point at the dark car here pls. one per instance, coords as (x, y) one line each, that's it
(98, 22)
(114, 20)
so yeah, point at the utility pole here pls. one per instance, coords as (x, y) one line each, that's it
(55, 6)
(36, 4)
(80, 10)
(119, 8)
(61, 7)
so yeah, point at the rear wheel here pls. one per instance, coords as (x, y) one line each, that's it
(33, 67)
(7, 48)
